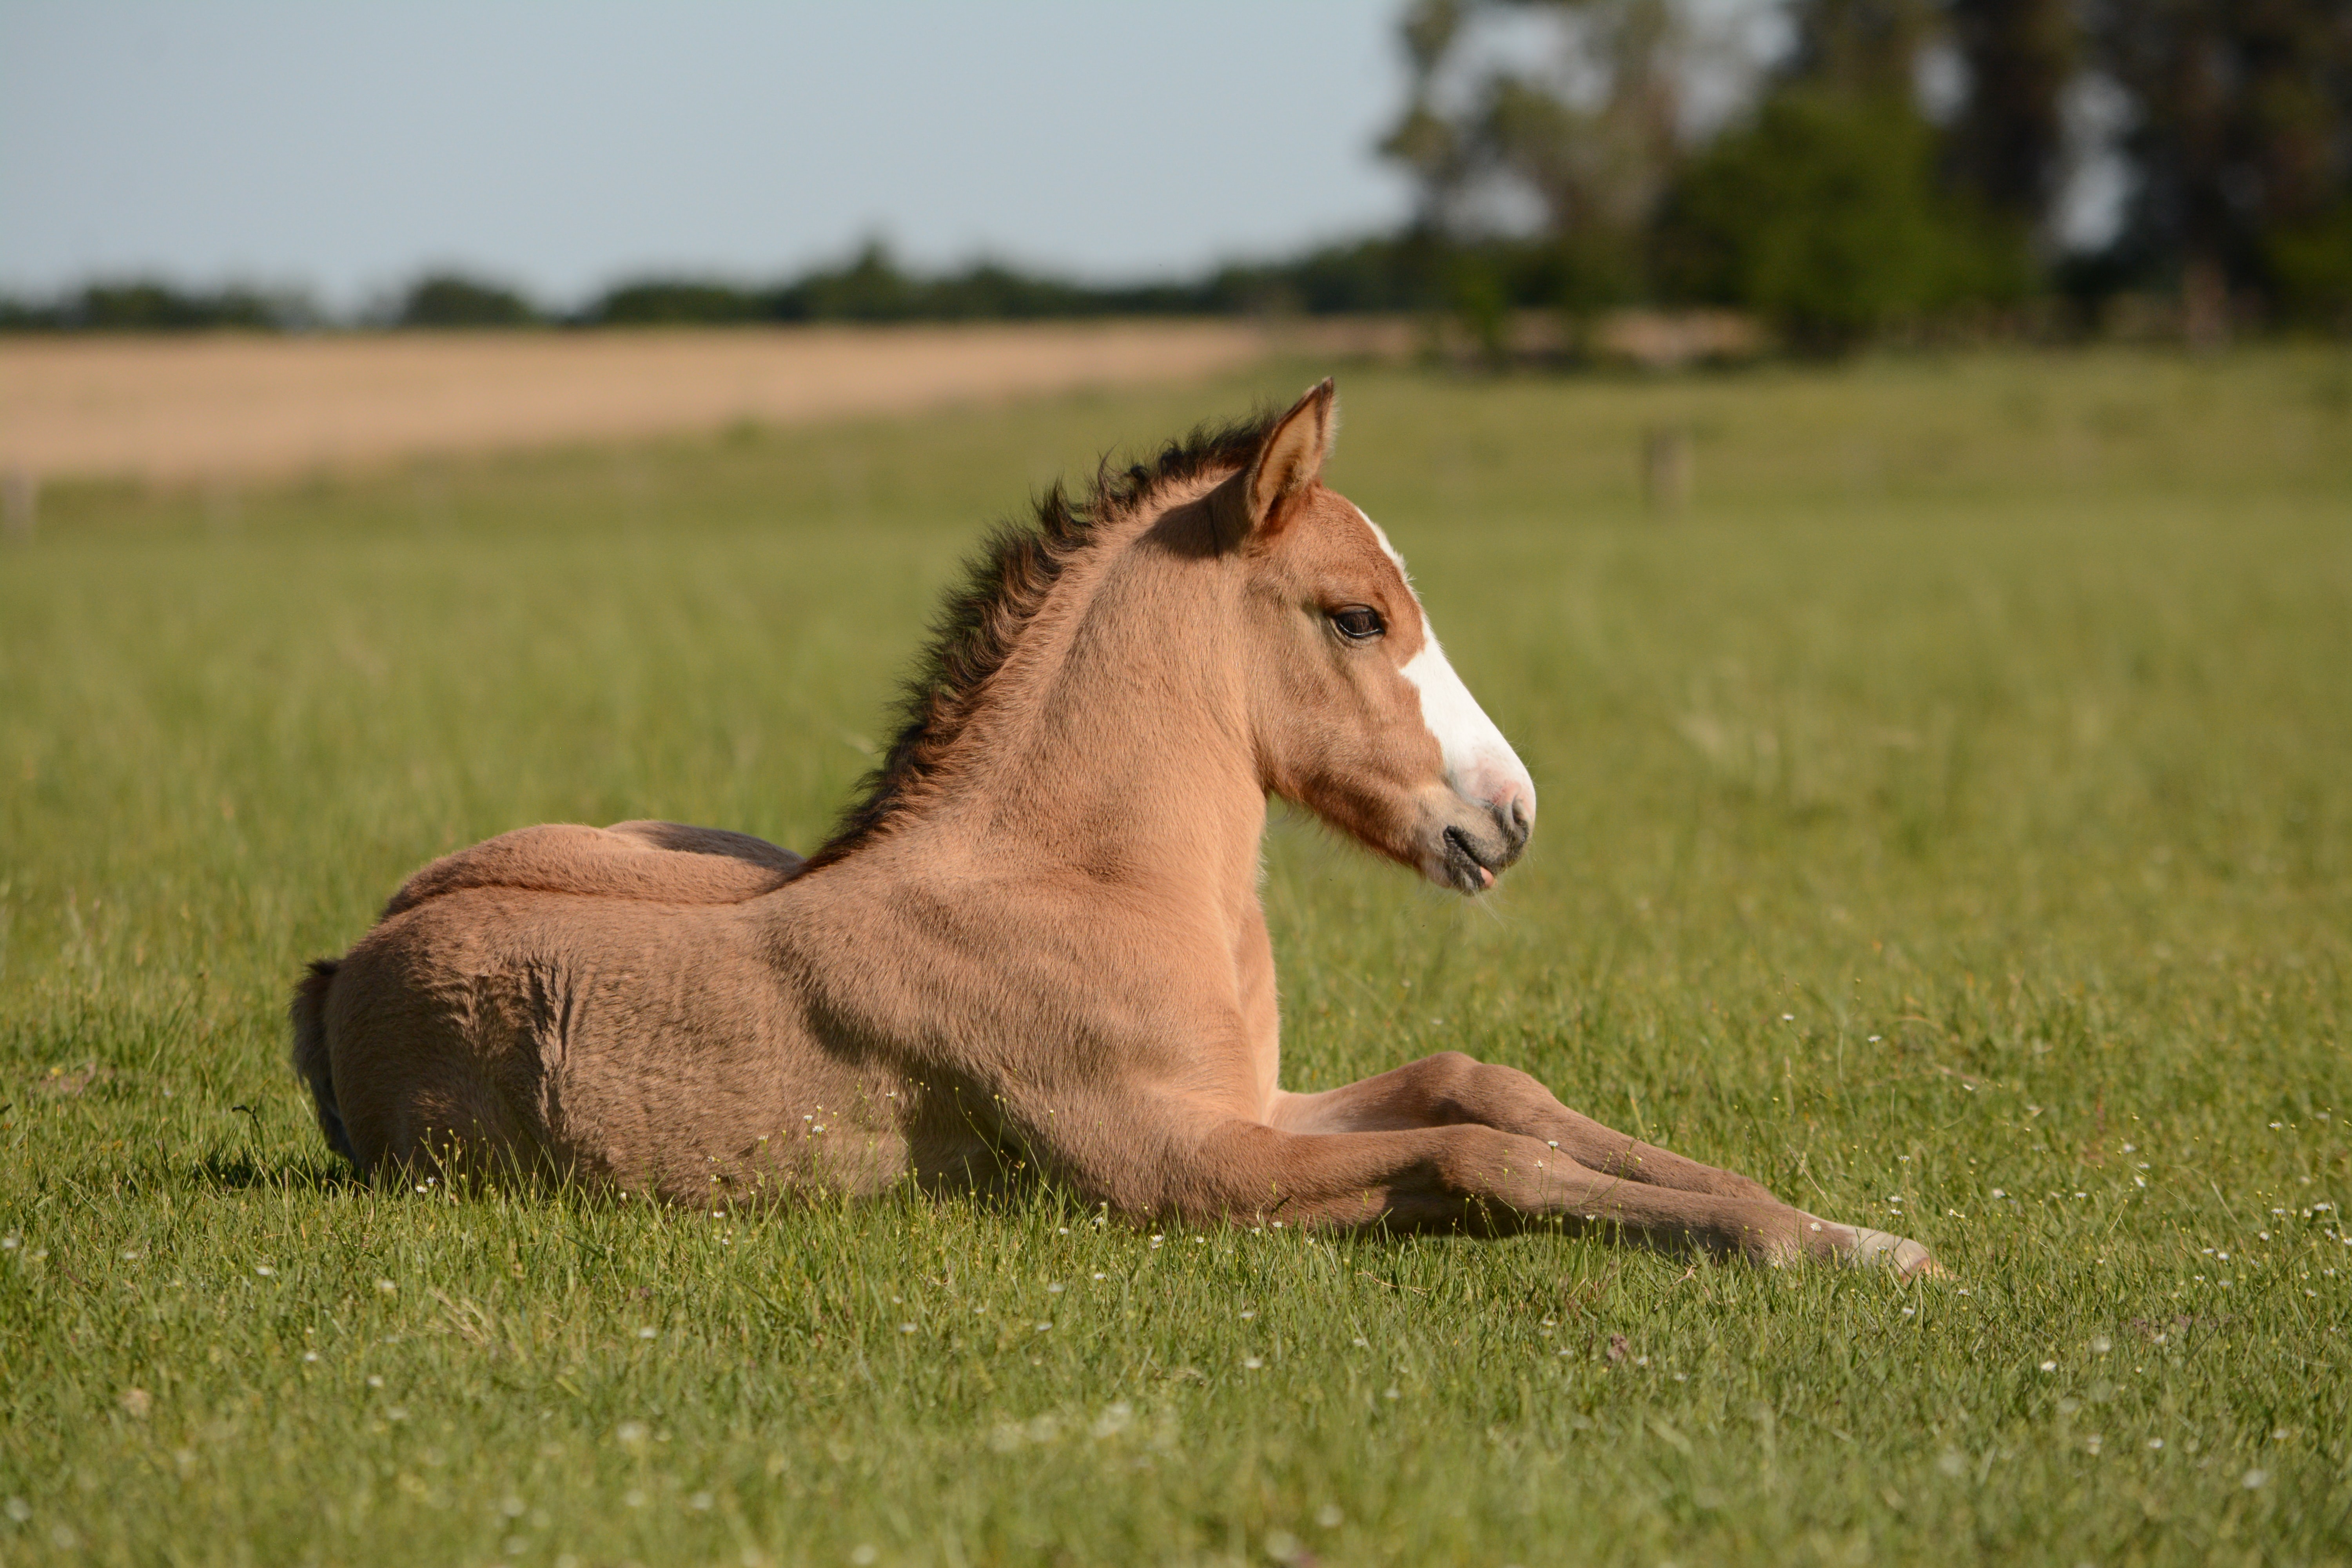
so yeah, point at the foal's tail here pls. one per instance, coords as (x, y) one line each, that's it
(310, 1062)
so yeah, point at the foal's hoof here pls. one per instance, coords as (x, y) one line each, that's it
(1879, 1249)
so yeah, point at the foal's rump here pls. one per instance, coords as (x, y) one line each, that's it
(567, 1001)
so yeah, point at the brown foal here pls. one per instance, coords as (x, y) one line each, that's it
(1037, 940)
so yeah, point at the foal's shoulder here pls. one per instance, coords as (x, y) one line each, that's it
(664, 862)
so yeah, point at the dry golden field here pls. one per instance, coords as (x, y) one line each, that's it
(232, 405)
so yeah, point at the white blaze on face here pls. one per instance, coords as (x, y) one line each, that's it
(1479, 764)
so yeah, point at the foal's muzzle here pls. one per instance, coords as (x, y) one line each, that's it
(1476, 840)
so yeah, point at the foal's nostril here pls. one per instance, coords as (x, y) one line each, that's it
(1511, 818)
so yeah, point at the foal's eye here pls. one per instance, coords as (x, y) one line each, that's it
(1359, 623)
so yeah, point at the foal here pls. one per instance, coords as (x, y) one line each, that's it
(1037, 939)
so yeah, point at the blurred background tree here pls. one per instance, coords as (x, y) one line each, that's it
(453, 299)
(2241, 145)
(1883, 162)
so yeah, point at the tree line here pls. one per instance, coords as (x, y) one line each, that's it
(1363, 275)
(1878, 164)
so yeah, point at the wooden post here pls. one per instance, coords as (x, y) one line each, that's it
(1666, 470)
(20, 502)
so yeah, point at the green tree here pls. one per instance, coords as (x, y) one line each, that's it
(1824, 214)
(452, 300)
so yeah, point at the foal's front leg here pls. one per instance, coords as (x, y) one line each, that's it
(1453, 1089)
(1156, 1156)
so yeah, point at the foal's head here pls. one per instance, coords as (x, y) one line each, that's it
(1355, 712)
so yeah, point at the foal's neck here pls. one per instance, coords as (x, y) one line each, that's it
(1114, 745)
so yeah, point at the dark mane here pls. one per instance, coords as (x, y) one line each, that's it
(981, 621)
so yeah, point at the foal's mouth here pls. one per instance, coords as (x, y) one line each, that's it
(1463, 868)
(1470, 860)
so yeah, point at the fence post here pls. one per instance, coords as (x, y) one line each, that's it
(20, 502)
(1666, 469)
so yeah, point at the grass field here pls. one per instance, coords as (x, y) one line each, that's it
(1948, 817)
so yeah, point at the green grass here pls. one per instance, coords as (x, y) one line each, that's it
(1957, 797)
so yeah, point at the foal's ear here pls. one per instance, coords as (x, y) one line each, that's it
(1289, 461)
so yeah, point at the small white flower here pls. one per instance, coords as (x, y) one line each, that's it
(264, 1270)
(1045, 1325)
(1908, 1312)
(310, 1356)
(2254, 1480)
(906, 1328)
(2155, 1442)
(1247, 1316)
(645, 1333)
(375, 1379)
(2101, 1344)
(1788, 1017)
(2050, 1367)
(1253, 1363)
(1101, 1277)
(387, 1286)
(1362, 1343)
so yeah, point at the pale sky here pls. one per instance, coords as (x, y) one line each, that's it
(345, 144)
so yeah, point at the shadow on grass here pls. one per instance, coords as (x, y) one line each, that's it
(247, 1172)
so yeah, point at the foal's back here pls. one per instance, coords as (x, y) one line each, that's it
(661, 862)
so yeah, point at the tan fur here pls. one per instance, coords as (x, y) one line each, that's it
(1037, 947)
